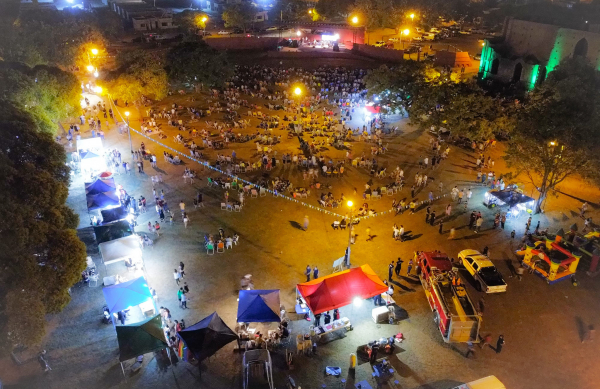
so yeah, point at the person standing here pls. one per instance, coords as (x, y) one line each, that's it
(176, 276)
(182, 206)
(487, 340)
(157, 228)
(307, 273)
(398, 267)
(305, 222)
(499, 344)
(432, 218)
(179, 294)
(441, 229)
(391, 270)
(181, 267)
(315, 273)
(502, 220)
(186, 219)
(401, 233)
(472, 220)
(183, 301)
(478, 224)
(409, 268)
(470, 350)
(452, 234)
(317, 320)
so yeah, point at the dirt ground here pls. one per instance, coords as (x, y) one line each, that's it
(542, 323)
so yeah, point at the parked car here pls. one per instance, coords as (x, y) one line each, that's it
(487, 278)
(224, 32)
(477, 57)
(434, 30)
(273, 28)
(464, 32)
(417, 38)
(394, 40)
(379, 44)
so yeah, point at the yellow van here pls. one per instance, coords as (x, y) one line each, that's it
(490, 382)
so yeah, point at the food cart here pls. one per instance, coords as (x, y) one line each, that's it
(511, 196)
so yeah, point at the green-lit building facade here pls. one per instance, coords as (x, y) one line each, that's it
(528, 51)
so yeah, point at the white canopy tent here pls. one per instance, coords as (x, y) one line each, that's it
(90, 153)
(122, 249)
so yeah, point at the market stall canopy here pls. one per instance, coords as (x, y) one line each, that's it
(113, 214)
(90, 144)
(102, 200)
(112, 231)
(120, 249)
(140, 338)
(100, 186)
(127, 294)
(511, 197)
(339, 289)
(207, 336)
(88, 155)
(259, 306)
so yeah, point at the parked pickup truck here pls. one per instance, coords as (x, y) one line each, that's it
(487, 278)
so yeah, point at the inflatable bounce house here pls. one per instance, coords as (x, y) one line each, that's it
(550, 258)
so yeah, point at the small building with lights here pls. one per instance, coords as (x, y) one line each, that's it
(527, 51)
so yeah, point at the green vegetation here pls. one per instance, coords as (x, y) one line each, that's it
(239, 15)
(197, 63)
(139, 73)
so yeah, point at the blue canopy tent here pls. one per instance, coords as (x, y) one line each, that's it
(100, 186)
(127, 294)
(102, 201)
(259, 306)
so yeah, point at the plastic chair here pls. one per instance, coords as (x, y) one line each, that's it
(237, 208)
(263, 192)
(223, 207)
(210, 247)
(94, 279)
(253, 193)
(220, 247)
(229, 207)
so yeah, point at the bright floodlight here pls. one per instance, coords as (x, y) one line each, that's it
(406, 32)
(310, 11)
(355, 19)
(96, 74)
(95, 51)
(412, 16)
(90, 68)
(98, 89)
(299, 33)
(127, 113)
(298, 91)
(204, 19)
(350, 203)
(357, 301)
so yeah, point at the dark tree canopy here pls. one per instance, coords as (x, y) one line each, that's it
(40, 254)
(140, 73)
(198, 63)
(239, 15)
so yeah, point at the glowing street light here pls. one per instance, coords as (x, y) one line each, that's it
(412, 17)
(96, 73)
(552, 143)
(90, 68)
(350, 203)
(310, 11)
(204, 19)
(98, 89)
(406, 31)
(355, 19)
(298, 91)
(299, 33)
(127, 113)
(95, 51)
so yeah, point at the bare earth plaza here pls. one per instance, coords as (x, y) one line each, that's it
(288, 194)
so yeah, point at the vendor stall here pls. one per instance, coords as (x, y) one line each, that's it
(90, 157)
(138, 339)
(132, 298)
(124, 249)
(206, 337)
(514, 198)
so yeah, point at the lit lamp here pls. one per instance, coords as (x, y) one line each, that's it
(310, 11)
(90, 68)
(412, 17)
(299, 33)
(98, 89)
(95, 51)
(355, 19)
(298, 91)
(96, 73)
(357, 301)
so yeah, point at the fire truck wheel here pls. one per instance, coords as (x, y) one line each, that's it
(436, 317)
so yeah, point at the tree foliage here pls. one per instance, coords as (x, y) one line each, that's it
(140, 73)
(40, 254)
(379, 13)
(332, 9)
(291, 10)
(239, 15)
(190, 20)
(198, 63)
(556, 132)
(47, 93)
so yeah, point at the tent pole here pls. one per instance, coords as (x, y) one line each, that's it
(123, 370)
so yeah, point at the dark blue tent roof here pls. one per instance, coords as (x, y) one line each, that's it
(259, 306)
(100, 186)
(207, 336)
(102, 200)
(126, 294)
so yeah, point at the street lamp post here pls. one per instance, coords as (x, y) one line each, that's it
(129, 133)
(204, 19)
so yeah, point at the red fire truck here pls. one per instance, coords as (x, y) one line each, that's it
(453, 310)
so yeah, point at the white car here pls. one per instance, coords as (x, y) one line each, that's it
(394, 40)
(417, 38)
(224, 32)
(272, 28)
(487, 278)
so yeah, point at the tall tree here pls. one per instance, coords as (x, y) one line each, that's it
(40, 254)
(198, 63)
(333, 9)
(379, 13)
(239, 15)
(556, 134)
(140, 73)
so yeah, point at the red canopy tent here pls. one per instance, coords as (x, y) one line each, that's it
(339, 289)
(372, 108)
